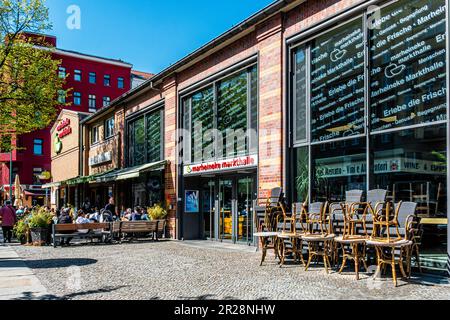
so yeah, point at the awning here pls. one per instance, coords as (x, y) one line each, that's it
(86, 179)
(33, 194)
(131, 173)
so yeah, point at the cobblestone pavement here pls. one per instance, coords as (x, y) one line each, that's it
(190, 270)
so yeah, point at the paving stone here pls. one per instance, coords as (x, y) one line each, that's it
(202, 270)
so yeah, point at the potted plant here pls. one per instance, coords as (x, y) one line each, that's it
(157, 212)
(21, 231)
(39, 224)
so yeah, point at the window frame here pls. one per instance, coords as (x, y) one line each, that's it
(107, 80)
(92, 75)
(92, 98)
(77, 73)
(109, 135)
(62, 71)
(129, 123)
(95, 134)
(214, 83)
(121, 80)
(77, 97)
(41, 145)
(106, 101)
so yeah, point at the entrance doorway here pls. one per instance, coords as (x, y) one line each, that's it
(227, 208)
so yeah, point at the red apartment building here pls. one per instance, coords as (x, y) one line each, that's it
(92, 83)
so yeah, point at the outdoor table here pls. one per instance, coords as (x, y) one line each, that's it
(386, 255)
(434, 221)
(314, 241)
(297, 246)
(265, 242)
(357, 255)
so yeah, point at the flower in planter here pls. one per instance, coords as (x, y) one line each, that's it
(157, 212)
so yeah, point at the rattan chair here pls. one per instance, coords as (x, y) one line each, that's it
(318, 235)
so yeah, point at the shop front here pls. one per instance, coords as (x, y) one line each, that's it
(65, 154)
(219, 173)
(368, 110)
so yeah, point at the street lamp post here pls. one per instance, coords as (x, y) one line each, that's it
(10, 176)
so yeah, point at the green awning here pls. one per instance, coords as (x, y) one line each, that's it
(131, 173)
(86, 179)
(51, 185)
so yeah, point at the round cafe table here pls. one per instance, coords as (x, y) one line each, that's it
(268, 242)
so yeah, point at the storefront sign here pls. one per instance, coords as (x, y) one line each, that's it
(100, 159)
(192, 201)
(381, 166)
(217, 166)
(64, 129)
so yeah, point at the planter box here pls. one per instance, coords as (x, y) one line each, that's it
(39, 236)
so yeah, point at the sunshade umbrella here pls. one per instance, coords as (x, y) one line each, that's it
(17, 192)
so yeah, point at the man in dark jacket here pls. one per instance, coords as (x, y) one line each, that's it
(65, 218)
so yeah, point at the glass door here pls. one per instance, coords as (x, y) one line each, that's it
(226, 209)
(244, 214)
(209, 209)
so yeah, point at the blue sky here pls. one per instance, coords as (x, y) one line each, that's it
(150, 34)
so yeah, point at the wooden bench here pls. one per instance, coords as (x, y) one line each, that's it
(66, 231)
(130, 229)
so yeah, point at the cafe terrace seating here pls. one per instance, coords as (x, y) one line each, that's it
(339, 232)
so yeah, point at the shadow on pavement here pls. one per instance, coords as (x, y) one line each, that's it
(31, 296)
(59, 263)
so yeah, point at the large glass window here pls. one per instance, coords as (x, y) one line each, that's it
(231, 107)
(202, 123)
(337, 83)
(408, 65)
(383, 82)
(153, 137)
(412, 165)
(338, 167)
(300, 102)
(301, 164)
(145, 144)
(232, 120)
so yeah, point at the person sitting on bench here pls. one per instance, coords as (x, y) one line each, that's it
(82, 220)
(65, 218)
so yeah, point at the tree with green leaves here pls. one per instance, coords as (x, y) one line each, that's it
(29, 81)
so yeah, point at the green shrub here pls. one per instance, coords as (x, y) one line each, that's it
(157, 212)
(20, 229)
(40, 219)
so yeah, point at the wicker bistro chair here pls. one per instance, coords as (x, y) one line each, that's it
(290, 237)
(353, 245)
(267, 229)
(319, 234)
(394, 251)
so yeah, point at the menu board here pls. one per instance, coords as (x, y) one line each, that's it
(337, 83)
(408, 65)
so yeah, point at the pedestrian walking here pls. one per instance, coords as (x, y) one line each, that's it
(9, 219)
